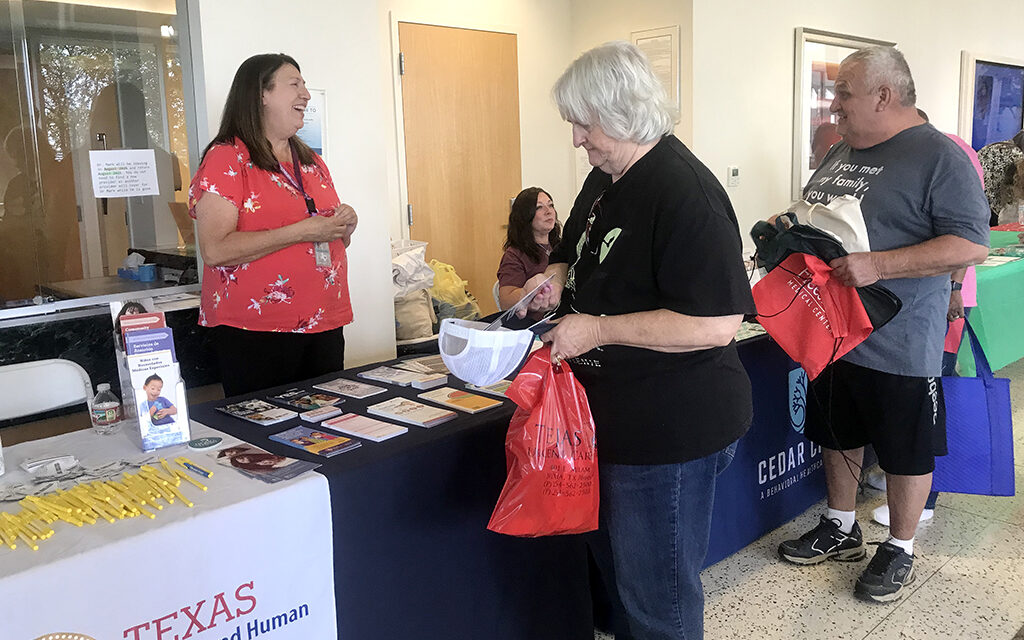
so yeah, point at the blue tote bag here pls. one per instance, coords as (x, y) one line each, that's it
(979, 432)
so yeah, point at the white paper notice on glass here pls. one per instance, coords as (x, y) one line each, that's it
(123, 173)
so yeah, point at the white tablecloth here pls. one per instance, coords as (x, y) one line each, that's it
(249, 560)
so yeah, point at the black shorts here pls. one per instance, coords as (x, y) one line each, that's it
(902, 417)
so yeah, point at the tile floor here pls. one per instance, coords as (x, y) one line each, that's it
(970, 584)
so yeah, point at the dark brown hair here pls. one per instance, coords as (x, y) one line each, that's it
(243, 111)
(520, 224)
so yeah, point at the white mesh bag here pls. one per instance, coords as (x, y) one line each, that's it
(478, 356)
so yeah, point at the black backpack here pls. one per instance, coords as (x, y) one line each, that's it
(774, 242)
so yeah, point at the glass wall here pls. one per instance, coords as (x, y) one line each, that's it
(76, 79)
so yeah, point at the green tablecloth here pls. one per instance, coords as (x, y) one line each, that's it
(999, 317)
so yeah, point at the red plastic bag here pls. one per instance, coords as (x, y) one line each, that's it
(551, 455)
(814, 318)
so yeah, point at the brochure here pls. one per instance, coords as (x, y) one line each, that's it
(259, 463)
(258, 412)
(350, 388)
(318, 415)
(499, 388)
(364, 427)
(302, 400)
(411, 412)
(316, 441)
(461, 400)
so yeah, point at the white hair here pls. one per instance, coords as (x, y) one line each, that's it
(886, 66)
(614, 87)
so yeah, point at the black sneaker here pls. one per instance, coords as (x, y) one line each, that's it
(889, 571)
(823, 542)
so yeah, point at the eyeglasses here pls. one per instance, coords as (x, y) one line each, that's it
(595, 211)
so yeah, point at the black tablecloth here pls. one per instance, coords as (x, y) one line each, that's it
(412, 555)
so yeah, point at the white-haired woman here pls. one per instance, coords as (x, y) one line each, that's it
(650, 279)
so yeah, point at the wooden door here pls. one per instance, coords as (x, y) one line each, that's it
(460, 99)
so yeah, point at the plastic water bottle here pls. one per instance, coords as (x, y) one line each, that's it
(106, 410)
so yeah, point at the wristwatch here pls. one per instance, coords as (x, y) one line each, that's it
(955, 286)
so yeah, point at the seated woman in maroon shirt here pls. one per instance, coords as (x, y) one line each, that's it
(533, 231)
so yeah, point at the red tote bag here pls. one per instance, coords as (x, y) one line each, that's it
(551, 455)
(814, 318)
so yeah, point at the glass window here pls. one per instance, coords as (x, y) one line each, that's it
(77, 78)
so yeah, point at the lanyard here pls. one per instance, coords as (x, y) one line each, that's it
(321, 250)
(310, 205)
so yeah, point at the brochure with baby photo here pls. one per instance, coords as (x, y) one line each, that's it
(302, 400)
(258, 411)
(350, 388)
(316, 441)
(259, 463)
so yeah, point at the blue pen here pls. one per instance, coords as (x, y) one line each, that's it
(185, 462)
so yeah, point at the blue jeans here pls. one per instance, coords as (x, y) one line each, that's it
(657, 519)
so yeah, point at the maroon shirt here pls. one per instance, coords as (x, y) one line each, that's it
(516, 267)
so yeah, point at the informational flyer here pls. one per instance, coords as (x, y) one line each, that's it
(314, 121)
(123, 173)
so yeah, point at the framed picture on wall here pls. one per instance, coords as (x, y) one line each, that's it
(661, 46)
(816, 63)
(314, 122)
(991, 98)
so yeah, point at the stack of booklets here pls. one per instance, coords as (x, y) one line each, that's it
(259, 463)
(404, 378)
(302, 400)
(258, 412)
(365, 427)
(350, 388)
(411, 412)
(461, 400)
(499, 388)
(315, 441)
(424, 364)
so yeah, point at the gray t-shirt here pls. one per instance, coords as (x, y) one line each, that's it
(913, 187)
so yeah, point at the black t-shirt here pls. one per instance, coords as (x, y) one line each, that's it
(664, 236)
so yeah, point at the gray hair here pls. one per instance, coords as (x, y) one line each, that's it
(886, 66)
(614, 87)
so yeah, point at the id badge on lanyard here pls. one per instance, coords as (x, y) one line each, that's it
(321, 250)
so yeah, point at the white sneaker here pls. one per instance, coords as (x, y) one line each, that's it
(876, 480)
(881, 514)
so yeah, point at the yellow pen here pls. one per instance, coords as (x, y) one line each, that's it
(188, 503)
(31, 545)
(158, 484)
(8, 538)
(184, 476)
(17, 525)
(170, 472)
(129, 491)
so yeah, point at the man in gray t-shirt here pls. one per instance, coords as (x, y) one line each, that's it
(914, 187)
(926, 216)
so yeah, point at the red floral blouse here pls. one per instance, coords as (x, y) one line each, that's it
(285, 290)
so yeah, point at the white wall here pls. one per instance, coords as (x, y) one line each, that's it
(543, 30)
(336, 42)
(743, 75)
(595, 22)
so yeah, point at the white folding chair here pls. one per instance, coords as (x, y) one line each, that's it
(494, 291)
(28, 388)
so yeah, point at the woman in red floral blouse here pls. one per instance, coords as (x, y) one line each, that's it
(273, 237)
